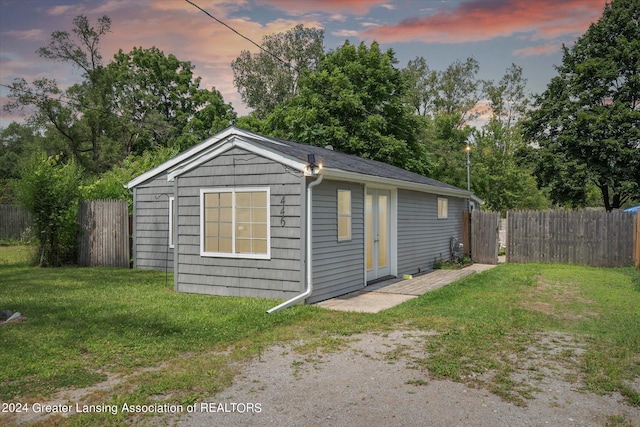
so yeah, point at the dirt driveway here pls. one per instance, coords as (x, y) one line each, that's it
(374, 381)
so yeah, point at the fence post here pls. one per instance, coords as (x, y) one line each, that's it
(637, 241)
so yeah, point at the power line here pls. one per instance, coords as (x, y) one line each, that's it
(288, 64)
(242, 35)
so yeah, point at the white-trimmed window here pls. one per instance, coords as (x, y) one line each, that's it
(171, 221)
(235, 222)
(344, 215)
(443, 207)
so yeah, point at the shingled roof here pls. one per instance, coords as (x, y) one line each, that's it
(331, 159)
(336, 164)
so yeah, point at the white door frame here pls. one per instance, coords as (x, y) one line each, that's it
(391, 268)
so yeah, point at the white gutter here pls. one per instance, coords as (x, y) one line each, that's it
(306, 293)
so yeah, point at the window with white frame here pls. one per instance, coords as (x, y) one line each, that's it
(344, 214)
(235, 222)
(171, 221)
(443, 208)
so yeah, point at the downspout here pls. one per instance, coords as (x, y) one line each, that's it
(306, 293)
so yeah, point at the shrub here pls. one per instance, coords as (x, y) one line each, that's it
(48, 188)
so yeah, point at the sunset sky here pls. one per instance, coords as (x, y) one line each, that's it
(497, 33)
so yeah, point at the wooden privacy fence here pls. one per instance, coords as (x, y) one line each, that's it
(14, 221)
(104, 233)
(599, 239)
(485, 240)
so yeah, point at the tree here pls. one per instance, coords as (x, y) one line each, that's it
(48, 189)
(354, 102)
(140, 100)
(445, 102)
(158, 102)
(453, 92)
(80, 114)
(16, 142)
(422, 87)
(501, 176)
(586, 123)
(267, 79)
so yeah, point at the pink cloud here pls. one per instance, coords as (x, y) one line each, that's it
(35, 34)
(480, 20)
(358, 7)
(193, 36)
(546, 49)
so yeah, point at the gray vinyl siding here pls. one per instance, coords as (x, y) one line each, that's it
(151, 226)
(279, 277)
(422, 237)
(338, 266)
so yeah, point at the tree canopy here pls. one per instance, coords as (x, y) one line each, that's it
(267, 79)
(586, 123)
(139, 101)
(353, 101)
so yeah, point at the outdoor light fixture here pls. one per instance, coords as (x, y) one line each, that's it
(313, 168)
(468, 149)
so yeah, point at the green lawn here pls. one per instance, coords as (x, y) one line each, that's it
(84, 325)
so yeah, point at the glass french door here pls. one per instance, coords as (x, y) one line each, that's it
(377, 233)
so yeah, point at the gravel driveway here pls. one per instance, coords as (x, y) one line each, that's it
(373, 382)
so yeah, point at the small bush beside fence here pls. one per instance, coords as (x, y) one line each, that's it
(599, 239)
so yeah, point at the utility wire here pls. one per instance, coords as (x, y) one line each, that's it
(288, 64)
(242, 35)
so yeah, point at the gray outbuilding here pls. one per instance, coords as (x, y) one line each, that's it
(247, 215)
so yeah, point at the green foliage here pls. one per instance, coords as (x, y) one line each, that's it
(267, 80)
(444, 100)
(354, 102)
(139, 101)
(157, 102)
(446, 141)
(587, 122)
(48, 189)
(500, 175)
(111, 184)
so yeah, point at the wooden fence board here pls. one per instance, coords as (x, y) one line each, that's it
(600, 239)
(14, 221)
(485, 238)
(104, 233)
(636, 254)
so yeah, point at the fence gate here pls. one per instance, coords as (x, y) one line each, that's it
(485, 239)
(104, 233)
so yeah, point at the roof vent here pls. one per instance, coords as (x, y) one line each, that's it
(329, 147)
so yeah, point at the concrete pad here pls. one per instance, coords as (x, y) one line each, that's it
(365, 302)
(382, 296)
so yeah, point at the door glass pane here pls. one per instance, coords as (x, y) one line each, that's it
(369, 231)
(383, 233)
